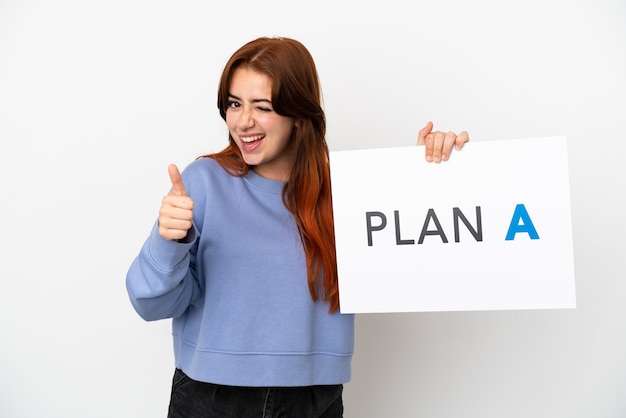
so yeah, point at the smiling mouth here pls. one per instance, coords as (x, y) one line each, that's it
(251, 139)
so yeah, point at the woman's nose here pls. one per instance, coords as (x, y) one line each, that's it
(246, 119)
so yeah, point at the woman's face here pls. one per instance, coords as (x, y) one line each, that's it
(261, 134)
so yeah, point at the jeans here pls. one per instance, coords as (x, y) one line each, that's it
(193, 399)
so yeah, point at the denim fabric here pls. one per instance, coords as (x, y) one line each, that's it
(193, 399)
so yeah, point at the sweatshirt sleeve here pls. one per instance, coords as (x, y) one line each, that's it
(161, 281)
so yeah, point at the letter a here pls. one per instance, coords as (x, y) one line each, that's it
(525, 226)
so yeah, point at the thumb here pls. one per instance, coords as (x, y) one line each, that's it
(178, 188)
(421, 136)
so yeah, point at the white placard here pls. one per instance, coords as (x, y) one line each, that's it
(490, 229)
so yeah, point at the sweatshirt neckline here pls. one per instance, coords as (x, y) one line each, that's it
(263, 183)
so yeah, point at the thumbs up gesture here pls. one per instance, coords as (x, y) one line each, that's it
(176, 213)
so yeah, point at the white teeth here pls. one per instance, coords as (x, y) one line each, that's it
(250, 139)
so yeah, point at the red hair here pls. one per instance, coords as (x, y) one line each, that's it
(296, 93)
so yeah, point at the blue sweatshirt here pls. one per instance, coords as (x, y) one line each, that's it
(237, 291)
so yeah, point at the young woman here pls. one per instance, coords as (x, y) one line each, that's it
(242, 256)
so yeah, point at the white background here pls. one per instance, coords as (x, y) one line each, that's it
(96, 98)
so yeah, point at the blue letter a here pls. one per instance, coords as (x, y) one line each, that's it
(526, 225)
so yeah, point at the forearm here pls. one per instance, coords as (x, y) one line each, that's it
(161, 281)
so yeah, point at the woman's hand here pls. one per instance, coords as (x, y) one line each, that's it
(439, 144)
(176, 213)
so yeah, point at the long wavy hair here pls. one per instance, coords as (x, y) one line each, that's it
(296, 93)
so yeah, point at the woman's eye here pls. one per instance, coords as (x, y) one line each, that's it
(264, 109)
(231, 104)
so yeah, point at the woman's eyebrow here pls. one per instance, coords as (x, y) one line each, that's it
(232, 96)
